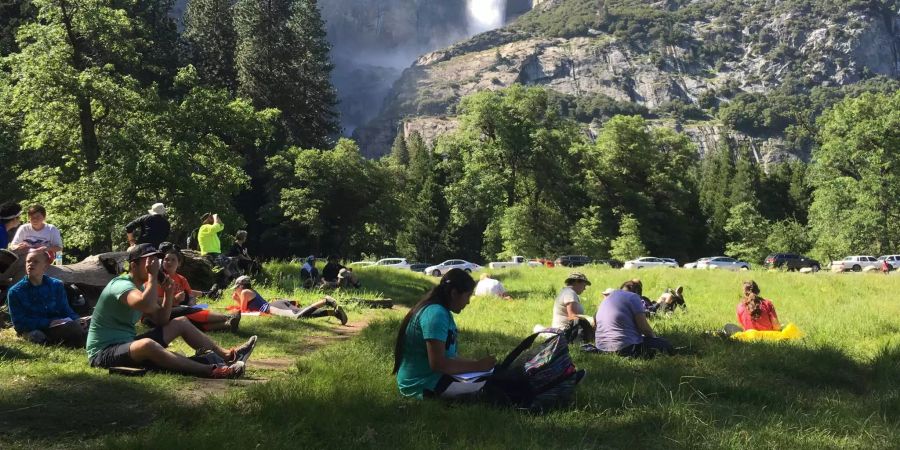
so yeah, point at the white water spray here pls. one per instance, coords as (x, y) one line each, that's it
(485, 15)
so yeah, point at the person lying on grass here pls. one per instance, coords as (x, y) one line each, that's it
(668, 301)
(185, 297)
(755, 312)
(490, 287)
(622, 327)
(249, 300)
(113, 342)
(425, 353)
(39, 307)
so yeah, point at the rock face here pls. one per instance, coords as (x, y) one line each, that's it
(766, 46)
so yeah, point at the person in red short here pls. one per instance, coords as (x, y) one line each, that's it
(755, 312)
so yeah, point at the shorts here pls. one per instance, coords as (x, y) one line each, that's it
(119, 355)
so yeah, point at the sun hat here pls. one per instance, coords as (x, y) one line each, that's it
(242, 280)
(578, 276)
(343, 273)
(142, 251)
(157, 208)
(10, 210)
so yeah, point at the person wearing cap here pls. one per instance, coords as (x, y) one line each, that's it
(249, 300)
(10, 218)
(152, 228)
(238, 252)
(39, 307)
(490, 287)
(309, 275)
(113, 342)
(37, 233)
(334, 274)
(567, 306)
(208, 235)
(622, 326)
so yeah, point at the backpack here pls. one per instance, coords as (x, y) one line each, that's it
(536, 380)
(192, 241)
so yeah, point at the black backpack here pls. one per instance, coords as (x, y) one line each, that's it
(536, 380)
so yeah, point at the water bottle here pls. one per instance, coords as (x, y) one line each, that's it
(58, 260)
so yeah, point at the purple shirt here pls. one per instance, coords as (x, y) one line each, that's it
(616, 328)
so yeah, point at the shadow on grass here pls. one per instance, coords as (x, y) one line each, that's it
(83, 405)
(13, 354)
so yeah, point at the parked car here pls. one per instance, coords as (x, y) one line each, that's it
(544, 262)
(397, 263)
(791, 261)
(671, 260)
(444, 267)
(572, 261)
(648, 262)
(515, 261)
(893, 260)
(693, 265)
(855, 263)
(361, 264)
(724, 263)
(419, 267)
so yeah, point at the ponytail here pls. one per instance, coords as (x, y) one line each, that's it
(454, 280)
(751, 300)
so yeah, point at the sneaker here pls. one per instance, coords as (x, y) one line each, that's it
(341, 315)
(234, 322)
(243, 352)
(235, 370)
(331, 302)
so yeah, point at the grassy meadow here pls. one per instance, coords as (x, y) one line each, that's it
(839, 387)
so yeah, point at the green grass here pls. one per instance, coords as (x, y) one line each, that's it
(837, 388)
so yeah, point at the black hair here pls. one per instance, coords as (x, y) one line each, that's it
(633, 286)
(37, 209)
(168, 247)
(454, 280)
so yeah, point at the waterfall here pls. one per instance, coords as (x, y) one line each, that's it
(485, 15)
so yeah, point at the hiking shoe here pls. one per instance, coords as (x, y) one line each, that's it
(331, 302)
(235, 370)
(243, 352)
(341, 315)
(234, 322)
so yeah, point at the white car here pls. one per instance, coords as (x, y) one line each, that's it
(893, 260)
(855, 263)
(396, 263)
(444, 267)
(648, 262)
(723, 262)
(693, 265)
(361, 264)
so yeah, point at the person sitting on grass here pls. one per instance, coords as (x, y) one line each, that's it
(567, 306)
(238, 253)
(490, 287)
(636, 286)
(37, 233)
(113, 342)
(185, 298)
(309, 275)
(425, 353)
(39, 307)
(622, 327)
(10, 219)
(755, 312)
(335, 275)
(249, 300)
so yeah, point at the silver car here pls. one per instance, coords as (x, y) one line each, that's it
(723, 262)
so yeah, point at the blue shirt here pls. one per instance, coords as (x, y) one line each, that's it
(434, 322)
(616, 327)
(34, 307)
(4, 237)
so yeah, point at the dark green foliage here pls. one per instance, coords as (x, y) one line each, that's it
(212, 40)
(13, 13)
(282, 62)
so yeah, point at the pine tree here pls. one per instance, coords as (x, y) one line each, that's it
(283, 62)
(745, 182)
(209, 31)
(629, 244)
(399, 151)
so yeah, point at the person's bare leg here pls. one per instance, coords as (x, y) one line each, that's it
(149, 350)
(217, 326)
(182, 327)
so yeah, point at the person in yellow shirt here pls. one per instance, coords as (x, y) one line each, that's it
(208, 236)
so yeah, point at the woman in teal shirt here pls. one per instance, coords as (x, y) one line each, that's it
(425, 352)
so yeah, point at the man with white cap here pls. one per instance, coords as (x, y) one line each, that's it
(152, 228)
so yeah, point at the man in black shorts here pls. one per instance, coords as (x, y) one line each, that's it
(112, 340)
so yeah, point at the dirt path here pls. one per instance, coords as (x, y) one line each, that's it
(202, 388)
